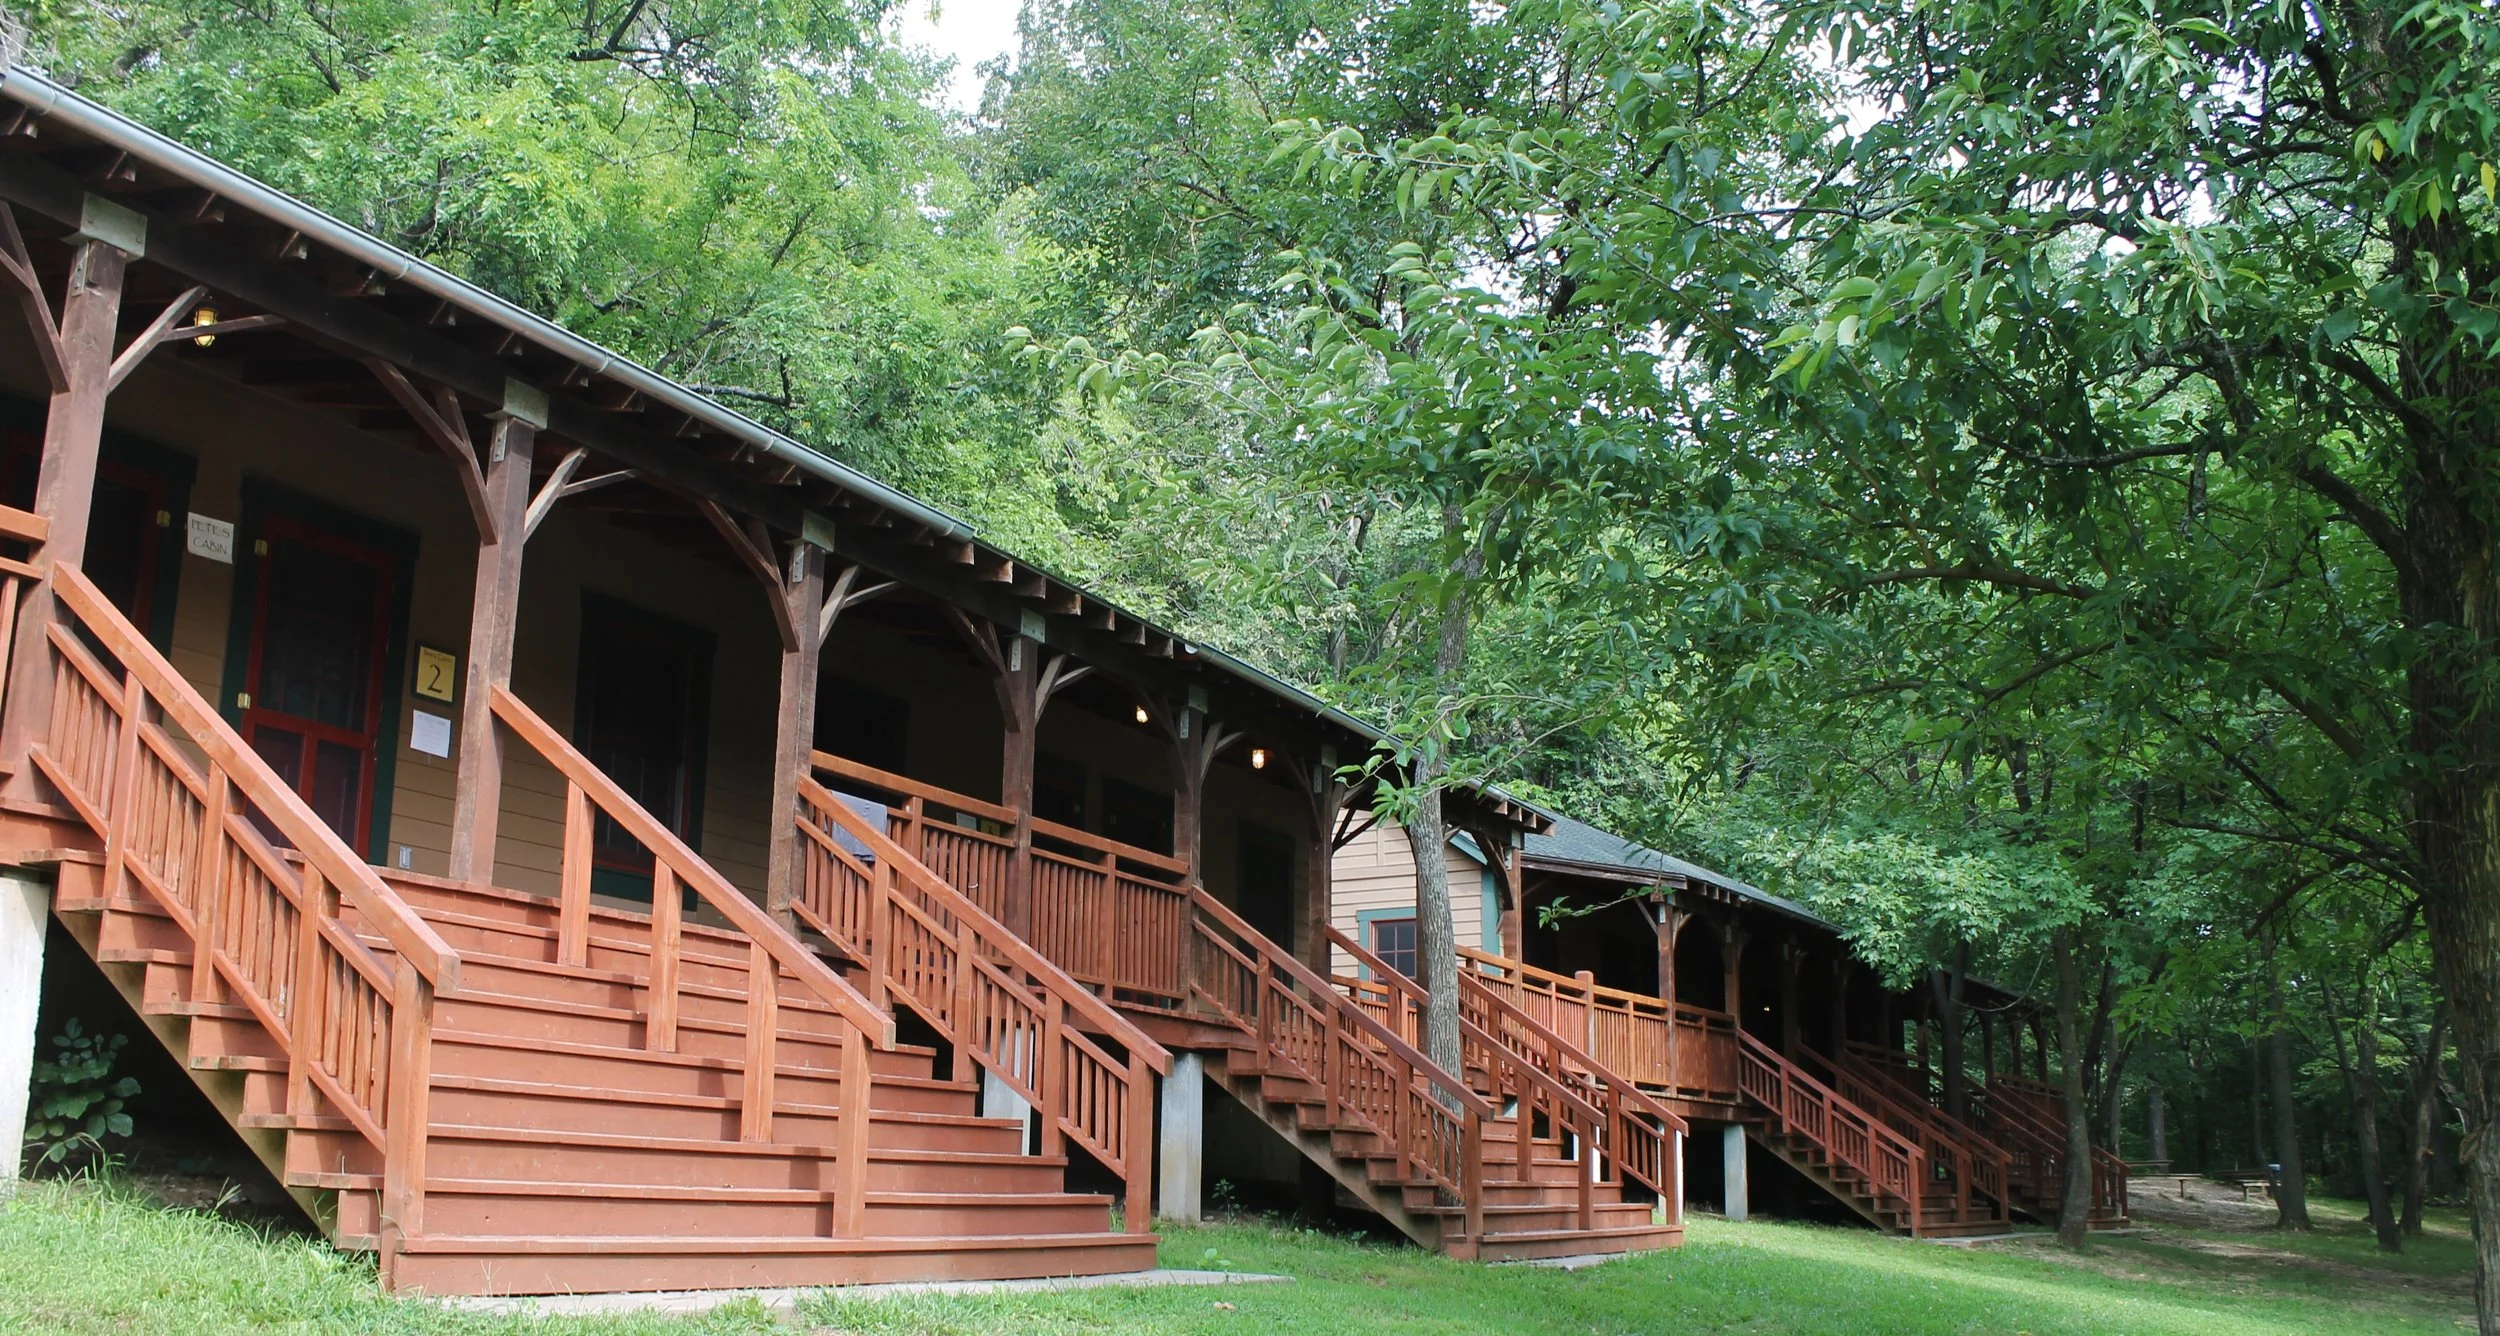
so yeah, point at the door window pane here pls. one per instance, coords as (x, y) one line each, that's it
(317, 646)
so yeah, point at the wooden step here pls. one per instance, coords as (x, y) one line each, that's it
(638, 1070)
(1526, 1245)
(463, 1264)
(557, 1209)
(528, 1154)
(492, 1102)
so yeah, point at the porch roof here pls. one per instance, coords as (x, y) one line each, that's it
(1578, 848)
(595, 395)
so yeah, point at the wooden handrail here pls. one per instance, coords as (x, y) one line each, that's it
(409, 935)
(266, 931)
(744, 914)
(1278, 958)
(894, 783)
(1629, 999)
(995, 936)
(887, 780)
(25, 526)
(1400, 986)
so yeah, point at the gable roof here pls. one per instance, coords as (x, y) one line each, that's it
(1570, 846)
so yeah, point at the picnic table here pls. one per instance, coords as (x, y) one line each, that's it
(2250, 1181)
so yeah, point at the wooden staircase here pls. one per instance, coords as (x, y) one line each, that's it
(1877, 1171)
(2025, 1120)
(503, 1093)
(1519, 1162)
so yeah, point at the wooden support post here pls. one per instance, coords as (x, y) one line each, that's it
(667, 913)
(1671, 921)
(1136, 1138)
(208, 889)
(573, 905)
(1326, 797)
(794, 728)
(755, 1104)
(494, 613)
(851, 1154)
(1988, 1045)
(1731, 959)
(307, 1011)
(1021, 702)
(79, 359)
(408, 1123)
(1792, 1029)
(1840, 1006)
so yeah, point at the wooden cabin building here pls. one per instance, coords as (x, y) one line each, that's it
(578, 838)
(1804, 1080)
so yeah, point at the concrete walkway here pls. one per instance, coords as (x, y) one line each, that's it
(691, 1302)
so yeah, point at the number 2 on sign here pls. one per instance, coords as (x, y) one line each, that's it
(437, 670)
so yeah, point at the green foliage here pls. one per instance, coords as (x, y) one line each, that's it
(76, 1101)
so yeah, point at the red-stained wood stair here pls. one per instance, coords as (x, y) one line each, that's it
(504, 1093)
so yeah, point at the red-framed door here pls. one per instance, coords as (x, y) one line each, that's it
(312, 698)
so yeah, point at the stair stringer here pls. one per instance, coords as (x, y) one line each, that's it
(222, 1088)
(1388, 1201)
(1821, 1177)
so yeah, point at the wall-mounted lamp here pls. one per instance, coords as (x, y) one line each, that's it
(206, 315)
(1141, 714)
(1258, 758)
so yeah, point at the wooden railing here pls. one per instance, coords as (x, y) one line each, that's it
(1371, 1078)
(17, 575)
(1606, 1117)
(1893, 1167)
(999, 1001)
(181, 802)
(1681, 1050)
(772, 952)
(1956, 1152)
(2030, 1117)
(1112, 915)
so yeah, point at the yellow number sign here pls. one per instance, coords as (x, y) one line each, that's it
(437, 671)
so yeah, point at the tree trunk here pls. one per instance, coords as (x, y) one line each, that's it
(2156, 1126)
(2424, 1090)
(1945, 986)
(2291, 1193)
(1436, 933)
(1428, 834)
(2360, 1068)
(2074, 1212)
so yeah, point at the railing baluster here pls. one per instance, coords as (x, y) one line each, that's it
(573, 911)
(667, 913)
(755, 1109)
(209, 890)
(315, 903)
(852, 1133)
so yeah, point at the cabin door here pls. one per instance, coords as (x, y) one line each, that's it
(312, 699)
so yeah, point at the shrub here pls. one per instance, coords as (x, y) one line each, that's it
(76, 1101)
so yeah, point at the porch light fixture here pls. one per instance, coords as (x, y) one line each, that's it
(206, 315)
(1141, 714)
(1258, 758)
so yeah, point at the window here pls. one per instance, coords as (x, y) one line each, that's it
(1059, 790)
(860, 723)
(1393, 940)
(1138, 816)
(645, 681)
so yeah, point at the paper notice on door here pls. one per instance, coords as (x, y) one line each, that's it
(429, 734)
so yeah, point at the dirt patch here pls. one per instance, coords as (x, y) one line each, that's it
(2197, 1203)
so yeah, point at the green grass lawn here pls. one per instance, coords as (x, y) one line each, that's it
(81, 1258)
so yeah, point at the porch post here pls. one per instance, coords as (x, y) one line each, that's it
(494, 613)
(25, 907)
(1190, 758)
(73, 432)
(1327, 799)
(1988, 1044)
(1840, 1006)
(794, 727)
(1732, 957)
(1792, 1029)
(1670, 926)
(1020, 700)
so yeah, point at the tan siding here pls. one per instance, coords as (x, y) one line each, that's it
(1376, 871)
